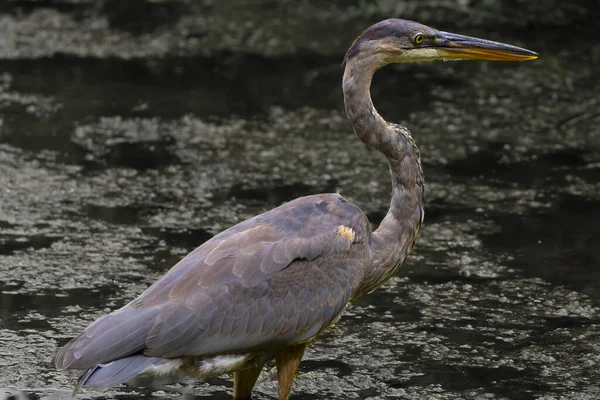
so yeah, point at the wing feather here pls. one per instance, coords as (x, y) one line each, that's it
(280, 277)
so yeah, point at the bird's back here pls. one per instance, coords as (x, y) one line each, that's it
(276, 279)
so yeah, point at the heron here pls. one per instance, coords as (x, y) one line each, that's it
(267, 287)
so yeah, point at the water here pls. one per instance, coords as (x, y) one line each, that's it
(131, 133)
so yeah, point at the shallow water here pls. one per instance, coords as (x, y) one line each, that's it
(127, 141)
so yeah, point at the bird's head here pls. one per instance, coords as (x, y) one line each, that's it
(398, 40)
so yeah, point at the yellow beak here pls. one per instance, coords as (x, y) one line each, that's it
(459, 47)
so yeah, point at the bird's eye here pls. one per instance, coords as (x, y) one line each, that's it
(418, 39)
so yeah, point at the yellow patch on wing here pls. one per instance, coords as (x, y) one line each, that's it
(347, 232)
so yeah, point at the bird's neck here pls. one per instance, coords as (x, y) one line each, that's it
(394, 238)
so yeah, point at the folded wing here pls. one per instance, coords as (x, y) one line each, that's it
(280, 277)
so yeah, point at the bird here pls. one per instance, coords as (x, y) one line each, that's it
(267, 287)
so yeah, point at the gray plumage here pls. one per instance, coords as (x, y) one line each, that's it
(243, 290)
(120, 370)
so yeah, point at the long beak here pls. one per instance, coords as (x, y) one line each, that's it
(459, 47)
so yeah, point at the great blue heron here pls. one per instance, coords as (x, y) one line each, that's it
(267, 287)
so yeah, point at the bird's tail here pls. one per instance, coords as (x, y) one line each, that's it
(124, 369)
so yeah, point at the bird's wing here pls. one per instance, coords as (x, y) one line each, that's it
(280, 277)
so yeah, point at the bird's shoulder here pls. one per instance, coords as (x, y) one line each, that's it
(314, 215)
(320, 216)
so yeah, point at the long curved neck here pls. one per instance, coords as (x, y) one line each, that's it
(394, 239)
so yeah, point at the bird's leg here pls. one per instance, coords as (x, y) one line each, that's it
(244, 381)
(287, 361)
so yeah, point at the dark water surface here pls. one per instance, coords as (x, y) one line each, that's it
(131, 132)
